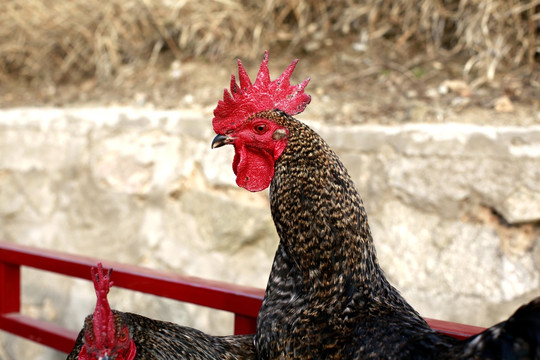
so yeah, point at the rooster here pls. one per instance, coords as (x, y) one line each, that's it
(327, 297)
(113, 335)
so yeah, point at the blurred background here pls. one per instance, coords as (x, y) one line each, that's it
(105, 131)
(167, 52)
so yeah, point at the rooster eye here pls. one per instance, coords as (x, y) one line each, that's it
(123, 335)
(260, 128)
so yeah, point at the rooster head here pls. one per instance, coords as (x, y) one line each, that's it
(258, 140)
(106, 336)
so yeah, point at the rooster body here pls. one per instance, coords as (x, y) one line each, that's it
(338, 304)
(327, 297)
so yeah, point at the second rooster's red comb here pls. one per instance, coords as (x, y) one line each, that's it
(247, 99)
(103, 319)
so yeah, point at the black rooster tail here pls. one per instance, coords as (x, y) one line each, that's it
(516, 338)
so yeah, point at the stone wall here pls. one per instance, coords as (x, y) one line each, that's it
(455, 210)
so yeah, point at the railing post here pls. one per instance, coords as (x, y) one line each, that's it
(244, 324)
(10, 288)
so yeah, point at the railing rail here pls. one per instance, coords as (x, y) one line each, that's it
(244, 302)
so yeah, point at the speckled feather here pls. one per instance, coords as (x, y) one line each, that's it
(161, 340)
(327, 297)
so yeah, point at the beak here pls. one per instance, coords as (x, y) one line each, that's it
(221, 140)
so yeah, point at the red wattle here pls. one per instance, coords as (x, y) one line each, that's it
(254, 168)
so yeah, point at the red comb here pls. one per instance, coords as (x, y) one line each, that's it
(248, 99)
(103, 319)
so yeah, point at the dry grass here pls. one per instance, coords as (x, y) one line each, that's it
(65, 41)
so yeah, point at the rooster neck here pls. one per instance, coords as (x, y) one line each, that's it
(320, 218)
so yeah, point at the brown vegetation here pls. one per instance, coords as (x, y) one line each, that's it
(66, 41)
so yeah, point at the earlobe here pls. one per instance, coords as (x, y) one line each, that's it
(280, 144)
(279, 134)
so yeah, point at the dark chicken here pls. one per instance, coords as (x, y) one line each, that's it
(113, 335)
(327, 297)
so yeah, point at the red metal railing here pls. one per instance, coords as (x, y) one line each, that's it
(244, 302)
